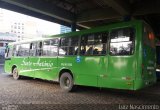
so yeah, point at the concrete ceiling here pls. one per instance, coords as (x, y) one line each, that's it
(88, 13)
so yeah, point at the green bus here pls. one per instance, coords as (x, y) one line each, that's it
(120, 56)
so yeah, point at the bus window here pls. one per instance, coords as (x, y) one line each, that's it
(14, 52)
(32, 49)
(63, 46)
(69, 46)
(54, 47)
(23, 49)
(9, 52)
(46, 48)
(17, 50)
(100, 44)
(94, 44)
(84, 39)
(39, 49)
(89, 46)
(50, 47)
(122, 41)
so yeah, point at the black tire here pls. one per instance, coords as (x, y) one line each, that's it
(66, 82)
(15, 74)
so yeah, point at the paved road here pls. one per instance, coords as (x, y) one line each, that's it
(1, 68)
(29, 93)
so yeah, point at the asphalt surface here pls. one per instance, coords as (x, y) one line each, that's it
(36, 94)
(1, 68)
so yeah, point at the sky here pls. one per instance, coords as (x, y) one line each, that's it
(46, 27)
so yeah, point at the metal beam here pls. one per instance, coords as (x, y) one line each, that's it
(100, 23)
(122, 7)
(97, 14)
(42, 7)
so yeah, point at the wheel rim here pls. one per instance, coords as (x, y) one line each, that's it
(15, 73)
(67, 82)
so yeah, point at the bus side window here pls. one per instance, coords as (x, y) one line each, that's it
(32, 51)
(40, 46)
(90, 43)
(122, 41)
(39, 49)
(14, 50)
(84, 39)
(46, 48)
(100, 43)
(73, 47)
(54, 47)
(7, 52)
(23, 49)
(17, 53)
(69, 46)
(94, 44)
(50, 47)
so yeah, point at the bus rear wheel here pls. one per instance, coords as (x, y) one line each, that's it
(66, 82)
(15, 73)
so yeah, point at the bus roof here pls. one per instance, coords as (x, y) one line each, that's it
(86, 31)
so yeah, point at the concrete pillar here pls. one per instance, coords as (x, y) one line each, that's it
(73, 27)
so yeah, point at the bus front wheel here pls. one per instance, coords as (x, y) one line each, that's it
(66, 82)
(15, 73)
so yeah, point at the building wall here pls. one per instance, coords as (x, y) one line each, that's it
(64, 29)
(26, 27)
(23, 28)
(4, 25)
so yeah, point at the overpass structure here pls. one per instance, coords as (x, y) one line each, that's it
(88, 13)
